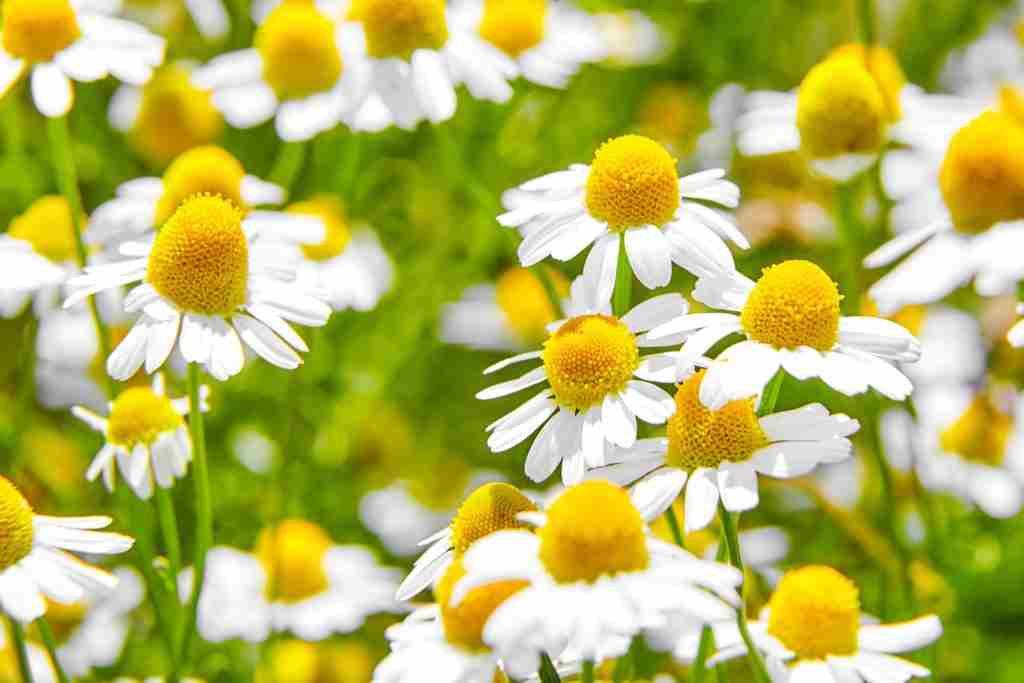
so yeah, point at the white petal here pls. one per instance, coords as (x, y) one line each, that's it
(51, 90)
(432, 85)
(650, 403)
(619, 421)
(599, 272)
(264, 342)
(738, 485)
(902, 637)
(655, 311)
(532, 378)
(648, 253)
(701, 499)
(655, 493)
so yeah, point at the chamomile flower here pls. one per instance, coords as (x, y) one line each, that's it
(206, 288)
(596, 388)
(210, 16)
(510, 315)
(790, 318)
(631, 38)
(813, 631)
(306, 70)
(717, 454)
(548, 40)
(632, 194)
(595, 579)
(145, 434)
(36, 559)
(64, 40)
(298, 661)
(296, 580)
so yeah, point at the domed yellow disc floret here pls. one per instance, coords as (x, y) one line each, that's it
(592, 530)
(46, 225)
(525, 303)
(514, 26)
(982, 175)
(200, 259)
(139, 415)
(698, 437)
(174, 116)
(36, 30)
(16, 532)
(980, 434)
(464, 625)
(201, 170)
(490, 508)
(588, 358)
(815, 612)
(292, 554)
(332, 213)
(795, 303)
(397, 28)
(299, 51)
(632, 182)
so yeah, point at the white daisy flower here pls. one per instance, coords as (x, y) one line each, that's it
(306, 69)
(986, 64)
(39, 663)
(296, 580)
(36, 559)
(145, 434)
(716, 145)
(717, 454)
(597, 388)
(595, 579)
(64, 40)
(790, 318)
(512, 314)
(813, 632)
(953, 346)
(631, 193)
(207, 287)
(210, 16)
(631, 38)
(548, 40)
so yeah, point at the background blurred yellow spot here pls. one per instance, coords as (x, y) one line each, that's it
(292, 553)
(36, 30)
(514, 26)
(330, 210)
(46, 225)
(201, 170)
(521, 296)
(815, 612)
(397, 28)
(300, 54)
(174, 116)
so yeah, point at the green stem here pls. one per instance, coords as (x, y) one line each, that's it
(21, 649)
(866, 11)
(51, 647)
(848, 226)
(587, 674)
(770, 395)
(548, 673)
(289, 162)
(673, 525)
(699, 669)
(169, 528)
(204, 516)
(623, 281)
(732, 542)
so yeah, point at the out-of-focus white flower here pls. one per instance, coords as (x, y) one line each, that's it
(631, 38)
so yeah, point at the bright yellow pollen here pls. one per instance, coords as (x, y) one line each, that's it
(36, 30)
(588, 358)
(698, 437)
(397, 28)
(464, 625)
(174, 117)
(514, 26)
(815, 612)
(492, 507)
(299, 51)
(46, 225)
(632, 182)
(883, 66)
(139, 416)
(201, 170)
(200, 259)
(525, 303)
(592, 530)
(330, 210)
(980, 434)
(292, 554)
(795, 303)
(294, 661)
(16, 532)
(982, 175)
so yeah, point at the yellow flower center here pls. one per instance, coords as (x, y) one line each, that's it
(632, 182)
(982, 175)
(490, 508)
(846, 102)
(980, 434)
(332, 213)
(795, 303)
(514, 25)
(201, 170)
(815, 612)
(174, 117)
(294, 661)
(139, 416)
(1011, 102)
(16, 532)
(292, 553)
(36, 30)
(64, 619)
(200, 259)
(299, 51)
(592, 530)
(588, 358)
(525, 303)
(46, 225)
(464, 625)
(698, 437)
(397, 28)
